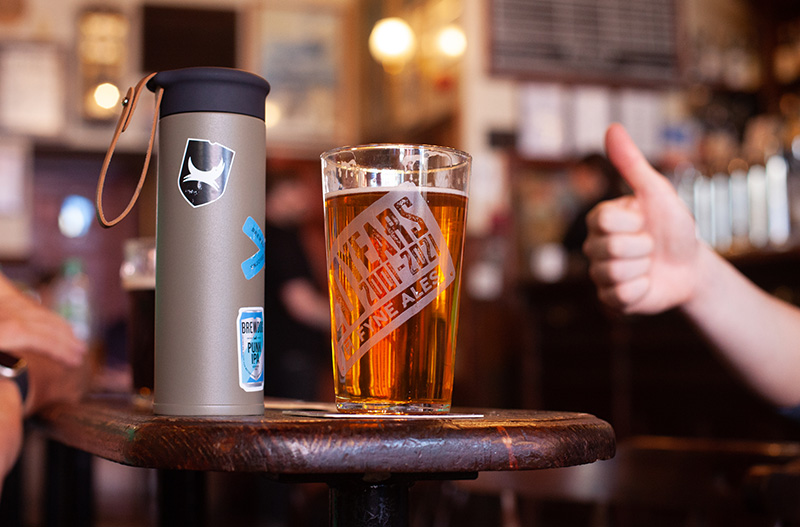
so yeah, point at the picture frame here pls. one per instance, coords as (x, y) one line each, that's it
(32, 88)
(16, 200)
(305, 50)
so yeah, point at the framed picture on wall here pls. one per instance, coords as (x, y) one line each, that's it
(16, 160)
(305, 51)
(635, 41)
(32, 88)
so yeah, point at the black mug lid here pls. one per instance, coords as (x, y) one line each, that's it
(224, 90)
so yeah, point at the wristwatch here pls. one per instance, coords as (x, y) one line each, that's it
(16, 370)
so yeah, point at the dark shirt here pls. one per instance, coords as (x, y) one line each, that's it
(296, 352)
(577, 231)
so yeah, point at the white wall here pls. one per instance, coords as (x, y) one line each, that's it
(488, 103)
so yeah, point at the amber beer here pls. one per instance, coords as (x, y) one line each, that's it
(394, 256)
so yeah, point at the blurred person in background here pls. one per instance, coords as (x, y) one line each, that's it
(297, 324)
(592, 179)
(297, 312)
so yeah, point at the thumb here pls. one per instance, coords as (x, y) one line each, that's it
(643, 179)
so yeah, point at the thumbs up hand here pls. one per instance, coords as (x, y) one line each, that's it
(643, 253)
(645, 258)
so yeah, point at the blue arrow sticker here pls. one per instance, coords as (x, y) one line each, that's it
(255, 263)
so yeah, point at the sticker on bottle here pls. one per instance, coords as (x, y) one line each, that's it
(255, 263)
(250, 344)
(204, 172)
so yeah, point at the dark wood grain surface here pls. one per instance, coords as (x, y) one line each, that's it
(115, 427)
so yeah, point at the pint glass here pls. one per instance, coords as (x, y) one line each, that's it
(395, 226)
(138, 275)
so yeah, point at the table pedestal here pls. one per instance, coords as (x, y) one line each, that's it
(363, 504)
(379, 500)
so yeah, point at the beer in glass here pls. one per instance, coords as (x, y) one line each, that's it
(138, 275)
(395, 227)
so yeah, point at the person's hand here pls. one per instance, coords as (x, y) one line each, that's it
(643, 252)
(28, 328)
(56, 366)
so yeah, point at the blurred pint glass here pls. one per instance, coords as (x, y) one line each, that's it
(395, 221)
(138, 274)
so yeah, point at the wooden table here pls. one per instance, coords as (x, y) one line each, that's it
(368, 463)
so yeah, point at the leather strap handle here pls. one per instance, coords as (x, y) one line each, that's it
(128, 107)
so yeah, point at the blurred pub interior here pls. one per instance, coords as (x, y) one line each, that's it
(709, 89)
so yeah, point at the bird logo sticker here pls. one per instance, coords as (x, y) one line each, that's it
(205, 170)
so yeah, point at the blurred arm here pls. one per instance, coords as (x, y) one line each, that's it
(10, 427)
(56, 367)
(305, 304)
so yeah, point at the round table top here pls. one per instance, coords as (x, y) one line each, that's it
(285, 441)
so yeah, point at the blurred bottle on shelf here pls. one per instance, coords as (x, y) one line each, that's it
(72, 299)
(749, 205)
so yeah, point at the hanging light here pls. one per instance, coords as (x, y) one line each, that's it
(451, 41)
(392, 43)
(106, 95)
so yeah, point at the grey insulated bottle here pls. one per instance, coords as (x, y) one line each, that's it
(209, 332)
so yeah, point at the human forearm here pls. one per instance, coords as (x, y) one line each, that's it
(51, 382)
(756, 333)
(27, 327)
(305, 304)
(10, 427)
(645, 258)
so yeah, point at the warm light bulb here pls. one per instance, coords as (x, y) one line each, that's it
(392, 41)
(452, 41)
(106, 95)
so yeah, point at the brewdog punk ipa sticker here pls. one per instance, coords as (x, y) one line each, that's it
(394, 261)
(250, 344)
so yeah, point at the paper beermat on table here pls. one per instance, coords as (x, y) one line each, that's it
(396, 261)
(388, 417)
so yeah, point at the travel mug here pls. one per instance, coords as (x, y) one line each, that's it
(209, 327)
